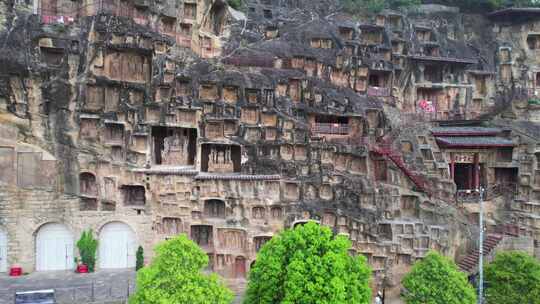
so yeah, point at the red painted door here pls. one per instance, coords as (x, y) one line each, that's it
(240, 267)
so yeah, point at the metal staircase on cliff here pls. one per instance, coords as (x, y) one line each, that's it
(387, 151)
(470, 262)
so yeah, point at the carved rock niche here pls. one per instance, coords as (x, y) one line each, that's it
(326, 192)
(231, 239)
(183, 88)
(214, 130)
(269, 119)
(291, 191)
(230, 94)
(359, 165)
(340, 161)
(208, 91)
(94, 98)
(287, 152)
(220, 158)
(329, 219)
(310, 192)
(250, 115)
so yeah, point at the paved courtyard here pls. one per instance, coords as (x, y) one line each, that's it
(105, 286)
(112, 286)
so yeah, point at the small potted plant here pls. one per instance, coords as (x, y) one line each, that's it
(87, 246)
(81, 267)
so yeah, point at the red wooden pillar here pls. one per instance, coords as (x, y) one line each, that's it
(476, 171)
(452, 165)
(470, 179)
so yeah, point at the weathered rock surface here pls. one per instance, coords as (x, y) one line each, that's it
(143, 119)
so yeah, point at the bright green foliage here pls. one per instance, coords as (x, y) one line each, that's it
(513, 278)
(308, 265)
(139, 258)
(87, 246)
(436, 280)
(174, 276)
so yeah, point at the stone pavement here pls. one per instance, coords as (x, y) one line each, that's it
(105, 286)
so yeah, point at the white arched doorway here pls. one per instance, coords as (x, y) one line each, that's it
(116, 246)
(3, 251)
(54, 248)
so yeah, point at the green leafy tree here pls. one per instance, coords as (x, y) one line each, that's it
(139, 258)
(308, 265)
(436, 280)
(513, 278)
(87, 246)
(174, 276)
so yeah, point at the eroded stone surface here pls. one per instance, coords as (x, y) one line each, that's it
(191, 117)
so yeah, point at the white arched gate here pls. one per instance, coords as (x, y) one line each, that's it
(3, 251)
(116, 246)
(54, 248)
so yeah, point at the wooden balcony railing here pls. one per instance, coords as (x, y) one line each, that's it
(378, 91)
(491, 192)
(330, 128)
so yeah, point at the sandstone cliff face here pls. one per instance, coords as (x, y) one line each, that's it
(167, 117)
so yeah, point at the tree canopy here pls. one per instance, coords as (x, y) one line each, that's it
(512, 278)
(308, 264)
(436, 280)
(174, 276)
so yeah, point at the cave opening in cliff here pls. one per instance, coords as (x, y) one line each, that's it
(220, 158)
(346, 33)
(87, 184)
(259, 241)
(114, 133)
(171, 225)
(214, 208)
(52, 56)
(508, 176)
(379, 79)
(533, 41)
(371, 35)
(202, 234)
(433, 73)
(190, 11)
(168, 25)
(174, 146)
(134, 195)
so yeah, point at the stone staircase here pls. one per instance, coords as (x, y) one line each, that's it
(470, 262)
(238, 287)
